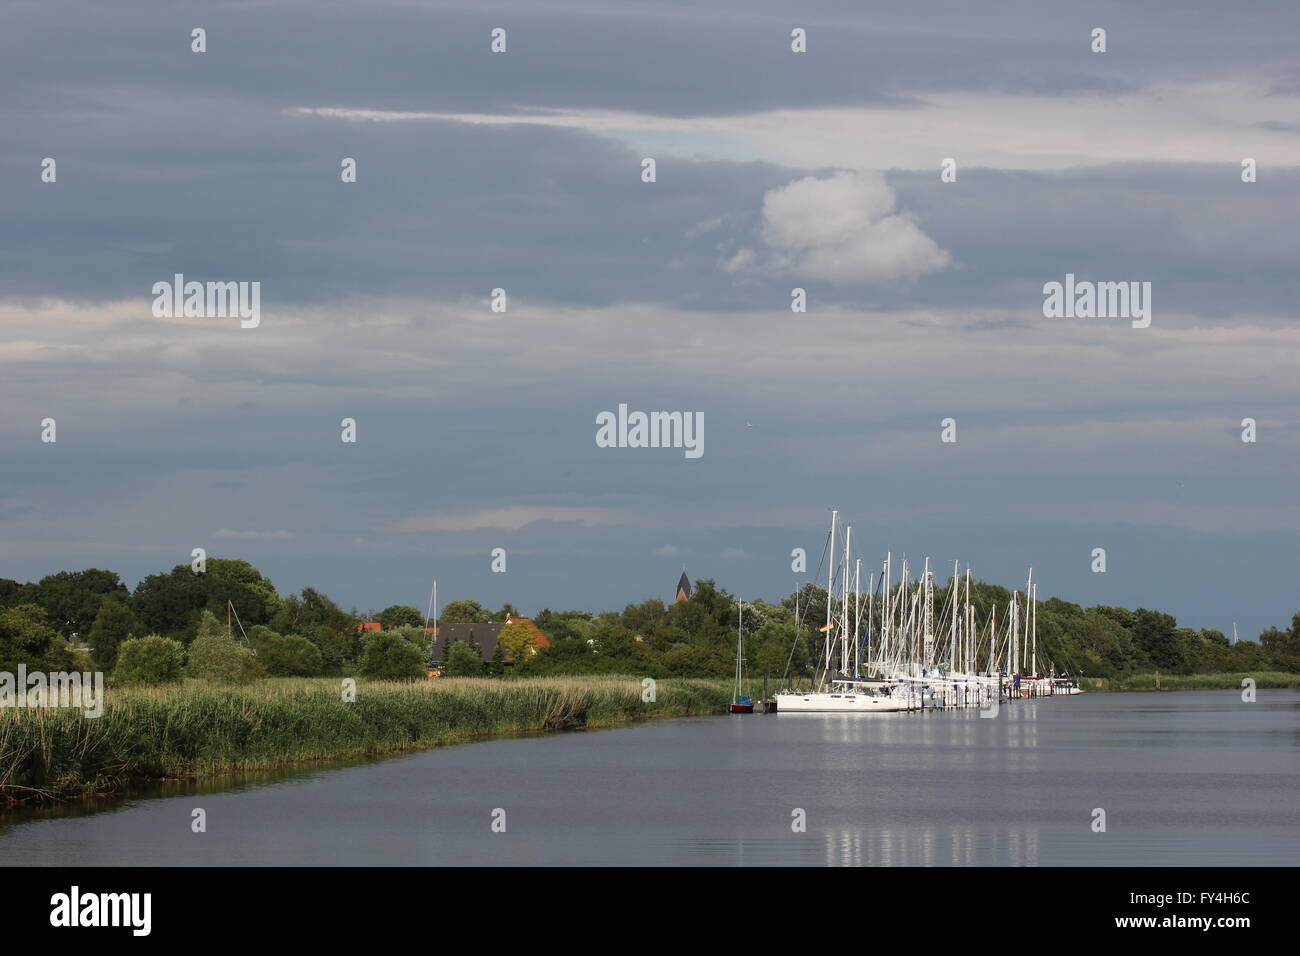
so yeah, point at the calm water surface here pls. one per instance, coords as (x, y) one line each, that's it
(1195, 778)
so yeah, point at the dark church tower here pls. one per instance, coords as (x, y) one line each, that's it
(683, 587)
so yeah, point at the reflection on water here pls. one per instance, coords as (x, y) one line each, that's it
(1186, 779)
(926, 846)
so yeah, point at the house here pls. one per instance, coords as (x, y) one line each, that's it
(483, 635)
(365, 626)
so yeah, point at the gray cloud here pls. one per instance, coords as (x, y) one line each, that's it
(477, 432)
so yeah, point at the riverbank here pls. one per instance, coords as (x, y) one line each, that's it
(194, 730)
(1161, 682)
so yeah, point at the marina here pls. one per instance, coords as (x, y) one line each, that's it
(889, 649)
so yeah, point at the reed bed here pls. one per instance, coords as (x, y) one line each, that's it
(196, 730)
(1156, 682)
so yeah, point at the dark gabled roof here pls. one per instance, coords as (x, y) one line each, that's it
(684, 585)
(484, 635)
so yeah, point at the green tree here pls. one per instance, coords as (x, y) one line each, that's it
(416, 635)
(149, 660)
(113, 624)
(464, 612)
(171, 603)
(335, 649)
(462, 661)
(215, 655)
(498, 666)
(1156, 634)
(640, 618)
(287, 655)
(1283, 646)
(72, 598)
(400, 615)
(303, 614)
(389, 656)
(26, 637)
(242, 575)
(11, 592)
(518, 640)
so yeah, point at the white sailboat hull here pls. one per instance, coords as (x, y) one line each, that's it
(822, 703)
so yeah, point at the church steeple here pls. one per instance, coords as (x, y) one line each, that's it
(683, 586)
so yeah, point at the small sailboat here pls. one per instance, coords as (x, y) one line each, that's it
(740, 703)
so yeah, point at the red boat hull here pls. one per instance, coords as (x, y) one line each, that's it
(742, 708)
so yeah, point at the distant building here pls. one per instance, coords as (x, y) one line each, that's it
(683, 587)
(369, 626)
(484, 635)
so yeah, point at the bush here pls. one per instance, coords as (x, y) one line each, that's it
(26, 637)
(113, 624)
(416, 635)
(389, 656)
(219, 658)
(149, 660)
(286, 655)
(462, 661)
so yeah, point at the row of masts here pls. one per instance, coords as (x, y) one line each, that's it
(893, 630)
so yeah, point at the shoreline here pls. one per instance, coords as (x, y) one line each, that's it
(153, 736)
(188, 732)
(1158, 682)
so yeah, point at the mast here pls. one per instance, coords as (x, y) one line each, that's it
(857, 617)
(885, 616)
(433, 602)
(927, 621)
(969, 665)
(830, 584)
(1029, 601)
(952, 628)
(1014, 624)
(1033, 626)
(740, 621)
(871, 608)
(844, 605)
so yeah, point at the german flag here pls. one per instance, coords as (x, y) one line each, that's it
(827, 627)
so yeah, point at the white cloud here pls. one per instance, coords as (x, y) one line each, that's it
(1165, 122)
(667, 551)
(843, 229)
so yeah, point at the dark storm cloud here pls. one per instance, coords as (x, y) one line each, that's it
(669, 58)
(448, 211)
(1210, 244)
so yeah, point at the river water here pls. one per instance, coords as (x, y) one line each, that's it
(1188, 778)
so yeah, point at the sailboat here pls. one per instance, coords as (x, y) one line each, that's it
(740, 703)
(905, 653)
(843, 693)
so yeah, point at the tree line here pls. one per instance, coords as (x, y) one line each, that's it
(174, 623)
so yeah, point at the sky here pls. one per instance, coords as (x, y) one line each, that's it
(774, 170)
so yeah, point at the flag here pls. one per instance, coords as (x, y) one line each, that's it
(826, 627)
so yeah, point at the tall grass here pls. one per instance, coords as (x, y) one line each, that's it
(195, 730)
(1155, 681)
